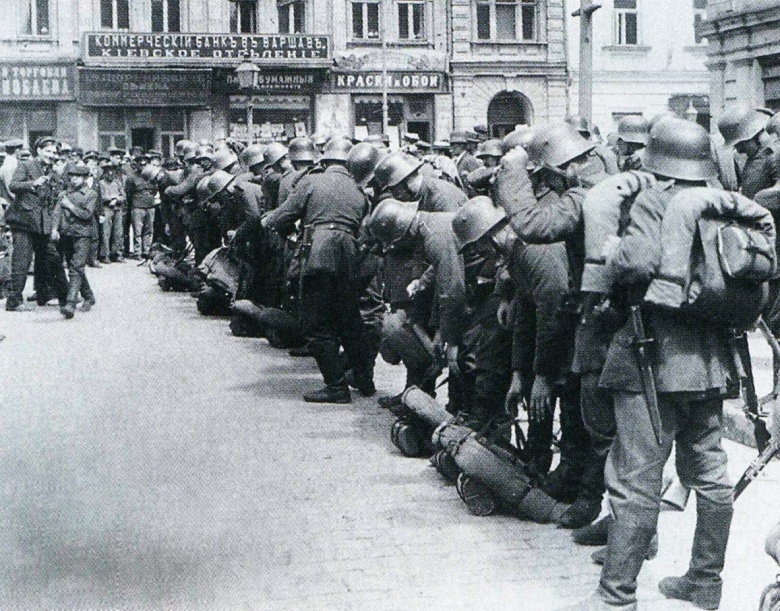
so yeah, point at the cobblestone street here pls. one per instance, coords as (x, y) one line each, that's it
(149, 459)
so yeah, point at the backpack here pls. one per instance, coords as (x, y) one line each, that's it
(718, 252)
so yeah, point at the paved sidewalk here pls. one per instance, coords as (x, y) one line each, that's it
(150, 460)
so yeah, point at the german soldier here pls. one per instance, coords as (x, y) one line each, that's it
(331, 207)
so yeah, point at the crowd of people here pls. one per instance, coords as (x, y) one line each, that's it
(544, 270)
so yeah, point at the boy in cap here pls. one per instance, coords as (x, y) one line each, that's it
(72, 226)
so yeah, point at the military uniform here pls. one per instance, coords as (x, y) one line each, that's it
(331, 207)
(692, 366)
(30, 219)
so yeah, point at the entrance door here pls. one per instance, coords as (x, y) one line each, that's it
(143, 137)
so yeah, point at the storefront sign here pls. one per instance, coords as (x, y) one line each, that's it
(167, 47)
(406, 82)
(36, 82)
(272, 81)
(144, 87)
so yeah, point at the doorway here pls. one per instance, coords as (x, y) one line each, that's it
(507, 110)
(142, 137)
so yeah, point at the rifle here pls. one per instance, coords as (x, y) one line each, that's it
(768, 447)
(642, 345)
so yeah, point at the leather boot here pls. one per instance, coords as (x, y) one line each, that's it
(600, 555)
(593, 534)
(332, 393)
(702, 585)
(68, 310)
(626, 550)
(563, 484)
(582, 513)
(388, 402)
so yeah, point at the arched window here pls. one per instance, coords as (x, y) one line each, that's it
(506, 110)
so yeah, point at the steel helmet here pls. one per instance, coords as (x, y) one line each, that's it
(581, 124)
(680, 149)
(377, 140)
(520, 136)
(150, 172)
(634, 129)
(252, 155)
(202, 193)
(302, 149)
(362, 160)
(394, 169)
(490, 148)
(319, 139)
(181, 146)
(556, 144)
(190, 151)
(274, 153)
(203, 152)
(218, 181)
(475, 219)
(336, 149)
(224, 158)
(740, 123)
(390, 221)
(459, 136)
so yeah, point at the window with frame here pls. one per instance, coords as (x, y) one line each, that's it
(111, 129)
(507, 19)
(411, 20)
(365, 20)
(292, 16)
(243, 17)
(166, 16)
(626, 23)
(173, 126)
(115, 14)
(35, 17)
(699, 16)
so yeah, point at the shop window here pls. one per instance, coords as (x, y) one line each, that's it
(699, 16)
(27, 124)
(411, 20)
(115, 14)
(173, 126)
(507, 19)
(166, 16)
(243, 16)
(112, 130)
(626, 23)
(35, 17)
(292, 16)
(365, 20)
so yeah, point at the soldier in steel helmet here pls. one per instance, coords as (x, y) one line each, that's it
(402, 225)
(744, 129)
(545, 208)
(462, 155)
(633, 133)
(182, 194)
(691, 366)
(538, 287)
(331, 207)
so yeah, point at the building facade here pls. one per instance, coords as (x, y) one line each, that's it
(101, 73)
(647, 58)
(743, 53)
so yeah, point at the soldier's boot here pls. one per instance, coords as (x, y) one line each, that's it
(626, 551)
(702, 585)
(600, 555)
(389, 402)
(88, 304)
(593, 534)
(581, 513)
(563, 484)
(330, 393)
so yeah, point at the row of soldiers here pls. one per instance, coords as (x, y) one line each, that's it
(502, 286)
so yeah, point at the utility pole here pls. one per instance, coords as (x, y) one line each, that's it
(585, 13)
(385, 104)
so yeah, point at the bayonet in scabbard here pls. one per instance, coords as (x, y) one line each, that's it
(642, 348)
